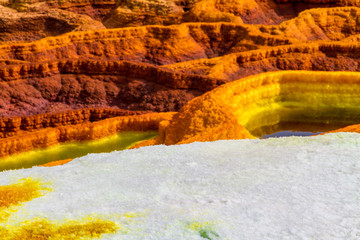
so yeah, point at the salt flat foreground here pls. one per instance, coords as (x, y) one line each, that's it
(285, 188)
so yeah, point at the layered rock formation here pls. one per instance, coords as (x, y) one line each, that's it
(46, 85)
(104, 73)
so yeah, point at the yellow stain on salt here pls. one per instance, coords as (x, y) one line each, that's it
(14, 195)
(196, 226)
(131, 215)
(44, 229)
(22, 191)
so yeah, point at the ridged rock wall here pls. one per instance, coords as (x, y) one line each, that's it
(147, 72)
(152, 44)
(65, 85)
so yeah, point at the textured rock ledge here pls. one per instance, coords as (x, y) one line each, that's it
(14, 125)
(26, 141)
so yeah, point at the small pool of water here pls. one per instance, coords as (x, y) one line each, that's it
(296, 119)
(288, 129)
(289, 134)
(72, 150)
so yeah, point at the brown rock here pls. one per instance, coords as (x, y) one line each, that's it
(58, 86)
(29, 26)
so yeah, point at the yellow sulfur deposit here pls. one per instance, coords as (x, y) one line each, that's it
(44, 229)
(11, 196)
(17, 193)
(14, 195)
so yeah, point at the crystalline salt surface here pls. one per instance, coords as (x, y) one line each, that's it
(278, 188)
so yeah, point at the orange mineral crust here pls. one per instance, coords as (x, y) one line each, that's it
(56, 163)
(233, 110)
(351, 128)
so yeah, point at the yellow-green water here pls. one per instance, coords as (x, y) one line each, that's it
(300, 121)
(74, 149)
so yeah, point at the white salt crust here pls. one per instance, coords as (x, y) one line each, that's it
(279, 188)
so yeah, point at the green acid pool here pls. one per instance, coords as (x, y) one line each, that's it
(36, 157)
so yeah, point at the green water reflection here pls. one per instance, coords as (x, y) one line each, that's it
(74, 149)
